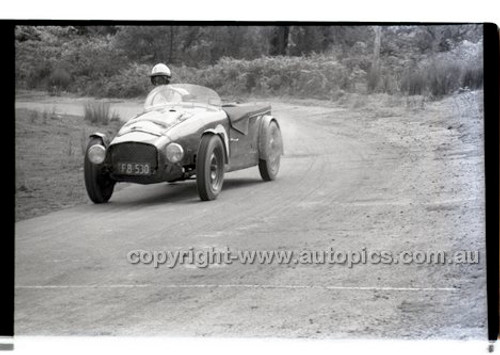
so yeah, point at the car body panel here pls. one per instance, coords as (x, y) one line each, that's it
(244, 147)
(244, 133)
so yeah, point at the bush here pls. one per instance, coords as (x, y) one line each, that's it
(37, 76)
(317, 76)
(97, 112)
(59, 80)
(56, 58)
(374, 80)
(440, 77)
(443, 78)
(472, 77)
(445, 73)
(413, 83)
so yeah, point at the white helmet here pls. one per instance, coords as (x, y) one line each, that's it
(160, 69)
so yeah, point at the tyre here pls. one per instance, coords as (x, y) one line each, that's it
(98, 184)
(272, 149)
(210, 167)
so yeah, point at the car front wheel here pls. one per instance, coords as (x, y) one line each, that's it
(99, 185)
(210, 167)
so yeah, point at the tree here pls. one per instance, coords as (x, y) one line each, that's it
(91, 31)
(148, 44)
(279, 40)
(304, 40)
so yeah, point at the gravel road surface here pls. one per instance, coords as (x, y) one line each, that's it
(346, 182)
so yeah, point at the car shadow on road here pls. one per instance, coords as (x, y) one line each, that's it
(183, 192)
(237, 183)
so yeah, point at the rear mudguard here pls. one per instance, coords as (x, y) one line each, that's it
(265, 121)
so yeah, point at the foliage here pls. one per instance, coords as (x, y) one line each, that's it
(446, 72)
(306, 61)
(58, 80)
(315, 76)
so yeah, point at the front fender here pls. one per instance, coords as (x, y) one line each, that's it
(220, 131)
(102, 137)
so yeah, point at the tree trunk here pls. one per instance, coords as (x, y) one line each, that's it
(374, 75)
(279, 40)
(376, 48)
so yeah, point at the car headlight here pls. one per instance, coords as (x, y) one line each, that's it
(96, 154)
(175, 153)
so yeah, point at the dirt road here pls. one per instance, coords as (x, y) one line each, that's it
(351, 179)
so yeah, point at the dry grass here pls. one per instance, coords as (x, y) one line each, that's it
(97, 112)
(49, 160)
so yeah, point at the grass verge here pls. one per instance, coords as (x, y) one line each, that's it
(49, 160)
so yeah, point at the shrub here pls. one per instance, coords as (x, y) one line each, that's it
(37, 75)
(317, 76)
(56, 58)
(439, 78)
(59, 80)
(445, 73)
(443, 78)
(413, 83)
(374, 80)
(472, 77)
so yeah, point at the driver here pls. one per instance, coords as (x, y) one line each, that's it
(160, 75)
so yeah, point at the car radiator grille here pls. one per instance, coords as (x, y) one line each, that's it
(134, 153)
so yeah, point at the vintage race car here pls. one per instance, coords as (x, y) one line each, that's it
(184, 132)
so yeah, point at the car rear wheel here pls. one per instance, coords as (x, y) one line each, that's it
(210, 167)
(273, 147)
(98, 183)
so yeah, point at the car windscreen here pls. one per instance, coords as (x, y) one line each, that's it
(176, 94)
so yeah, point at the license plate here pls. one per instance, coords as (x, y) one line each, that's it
(133, 169)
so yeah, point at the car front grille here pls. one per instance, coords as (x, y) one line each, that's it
(134, 153)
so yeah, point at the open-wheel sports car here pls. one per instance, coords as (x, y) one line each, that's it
(184, 132)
